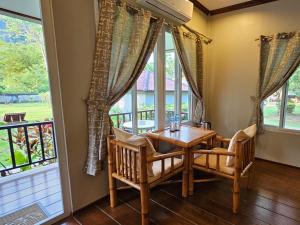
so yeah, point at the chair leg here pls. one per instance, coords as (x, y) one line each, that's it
(112, 191)
(248, 178)
(236, 196)
(191, 182)
(145, 204)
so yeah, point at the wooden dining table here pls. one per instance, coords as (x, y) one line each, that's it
(186, 138)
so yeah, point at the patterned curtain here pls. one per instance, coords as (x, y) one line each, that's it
(125, 41)
(189, 48)
(279, 58)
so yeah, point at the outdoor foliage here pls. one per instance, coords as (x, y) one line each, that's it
(294, 83)
(291, 105)
(169, 65)
(22, 57)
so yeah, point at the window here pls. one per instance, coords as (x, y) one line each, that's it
(177, 92)
(145, 88)
(160, 91)
(135, 111)
(282, 109)
(171, 76)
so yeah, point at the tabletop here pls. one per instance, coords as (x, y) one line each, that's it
(142, 124)
(186, 137)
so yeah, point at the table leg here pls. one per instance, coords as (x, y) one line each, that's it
(185, 174)
(214, 141)
(211, 142)
(191, 172)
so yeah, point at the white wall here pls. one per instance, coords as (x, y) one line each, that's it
(75, 39)
(233, 72)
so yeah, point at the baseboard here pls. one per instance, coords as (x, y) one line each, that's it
(282, 164)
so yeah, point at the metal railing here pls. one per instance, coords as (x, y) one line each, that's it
(120, 118)
(26, 145)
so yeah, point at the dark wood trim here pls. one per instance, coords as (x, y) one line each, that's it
(278, 163)
(230, 8)
(240, 6)
(200, 6)
(20, 14)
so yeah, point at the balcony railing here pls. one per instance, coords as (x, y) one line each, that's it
(120, 118)
(26, 145)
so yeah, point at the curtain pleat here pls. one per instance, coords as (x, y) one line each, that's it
(125, 41)
(190, 51)
(279, 58)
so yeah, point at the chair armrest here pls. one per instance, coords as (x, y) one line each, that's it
(165, 156)
(213, 152)
(223, 139)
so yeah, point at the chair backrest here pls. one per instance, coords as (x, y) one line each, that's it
(245, 154)
(127, 162)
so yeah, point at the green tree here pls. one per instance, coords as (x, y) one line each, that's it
(29, 32)
(294, 83)
(169, 65)
(22, 58)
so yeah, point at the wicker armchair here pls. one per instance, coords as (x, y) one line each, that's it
(131, 164)
(233, 163)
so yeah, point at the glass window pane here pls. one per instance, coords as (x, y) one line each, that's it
(292, 108)
(146, 97)
(170, 81)
(121, 113)
(169, 44)
(271, 109)
(185, 99)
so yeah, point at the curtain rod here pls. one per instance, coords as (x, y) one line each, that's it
(268, 37)
(281, 35)
(209, 40)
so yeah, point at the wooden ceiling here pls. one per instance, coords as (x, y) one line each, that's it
(214, 7)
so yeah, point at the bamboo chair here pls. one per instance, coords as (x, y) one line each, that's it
(214, 161)
(129, 164)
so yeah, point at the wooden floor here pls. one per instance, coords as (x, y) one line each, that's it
(41, 185)
(273, 198)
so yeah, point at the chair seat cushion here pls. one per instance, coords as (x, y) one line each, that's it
(157, 167)
(251, 131)
(212, 162)
(239, 136)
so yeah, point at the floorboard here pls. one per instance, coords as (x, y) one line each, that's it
(93, 215)
(273, 198)
(40, 185)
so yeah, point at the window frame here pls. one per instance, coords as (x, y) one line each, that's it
(178, 77)
(282, 115)
(160, 89)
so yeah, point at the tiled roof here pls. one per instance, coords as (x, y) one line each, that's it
(146, 83)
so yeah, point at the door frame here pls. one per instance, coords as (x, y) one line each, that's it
(53, 70)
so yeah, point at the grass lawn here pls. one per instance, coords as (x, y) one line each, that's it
(271, 117)
(34, 111)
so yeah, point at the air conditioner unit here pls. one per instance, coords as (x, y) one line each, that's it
(180, 11)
